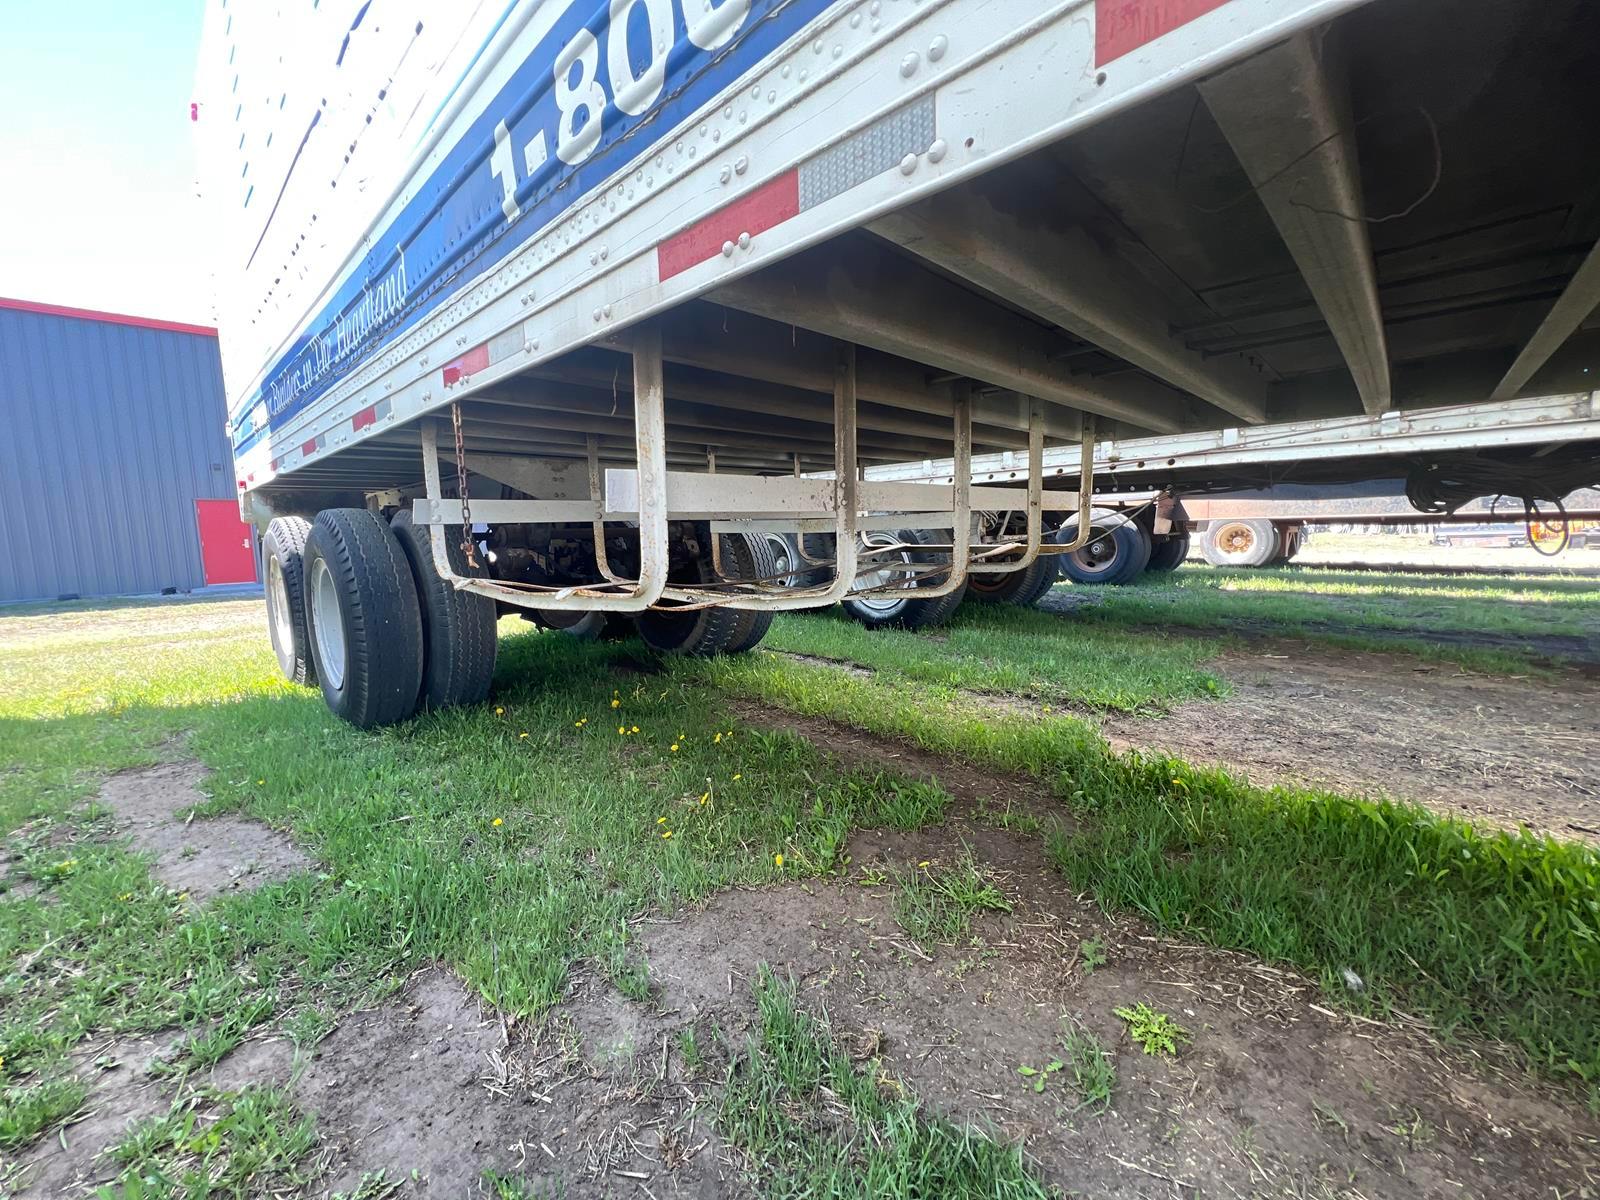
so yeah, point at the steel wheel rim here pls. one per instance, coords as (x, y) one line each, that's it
(1099, 554)
(327, 625)
(884, 576)
(1236, 539)
(278, 608)
(783, 558)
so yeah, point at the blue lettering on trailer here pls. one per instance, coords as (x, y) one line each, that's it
(565, 121)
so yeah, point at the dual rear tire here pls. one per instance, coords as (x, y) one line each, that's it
(356, 606)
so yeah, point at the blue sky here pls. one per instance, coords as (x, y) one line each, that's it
(97, 176)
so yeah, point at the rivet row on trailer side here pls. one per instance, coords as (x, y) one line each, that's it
(606, 311)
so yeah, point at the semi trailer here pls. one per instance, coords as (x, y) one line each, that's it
(573, 306)
(1246, 496)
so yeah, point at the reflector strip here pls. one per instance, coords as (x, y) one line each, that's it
(470, 363)
(770, 204)
(1122, 26)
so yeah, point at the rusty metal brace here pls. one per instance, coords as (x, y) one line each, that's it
(649, 416)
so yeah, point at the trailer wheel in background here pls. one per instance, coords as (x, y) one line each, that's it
(585, 625)
(1289, 540)
(458, 628)
(786, 563)
(1117, 553)
(1022, 588)
(283, 548)
(901, 610)
(700, 632)
(1168, 553)
(751, 556)
(1239, 543)
(366, 625)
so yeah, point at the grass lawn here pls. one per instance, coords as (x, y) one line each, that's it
(1343, 607)
(514, 840)
(1016, 651)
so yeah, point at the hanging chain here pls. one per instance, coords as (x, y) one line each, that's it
(467, 547)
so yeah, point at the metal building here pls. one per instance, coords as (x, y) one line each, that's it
(115, 473)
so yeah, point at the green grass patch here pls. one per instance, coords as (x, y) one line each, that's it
(936, 903)
(28, 1109)
(1091, 1066)
(1492, 933)
(1352, 606)
(1017, 651)
(215, 1144)
(509, 840)
(816, 1124)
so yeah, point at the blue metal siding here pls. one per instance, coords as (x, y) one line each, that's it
(108, 435)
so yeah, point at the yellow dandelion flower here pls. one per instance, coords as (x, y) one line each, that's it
(738, 776)
(682, 737)
(667, 834)
(615, 703)
(673, 747)
(497, 822)
(521, 735)
(661, 820)
(261, 782)
(499, 712)
(778, 858)
(635, 729)
(922, 864)
(716, 739)
(622, 729)
(126, 896)
(704, 797)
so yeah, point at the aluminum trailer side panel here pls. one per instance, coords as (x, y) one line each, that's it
(557, 171)
(1532, 423)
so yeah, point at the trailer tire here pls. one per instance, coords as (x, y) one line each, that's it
(458, 628)
(1168, 554)
(750, 556)
(1118, 552)
(1240, 543)
(1022, 588)
(907, 612)
(786, 562)
(365, 621)
(283, 549)
(700, 632)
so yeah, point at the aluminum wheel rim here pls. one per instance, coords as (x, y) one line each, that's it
(884, 576)
(327, 625)
(783, 559)
(278, 608)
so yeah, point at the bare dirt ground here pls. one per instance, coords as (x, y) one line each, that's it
(202, 856)
(1500, 750)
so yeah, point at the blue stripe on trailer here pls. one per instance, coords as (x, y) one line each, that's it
(456, 228)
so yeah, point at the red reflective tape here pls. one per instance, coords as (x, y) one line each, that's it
(468, 364)
(309, 447)
(769, 205)
(1122, 26)
(367, 416)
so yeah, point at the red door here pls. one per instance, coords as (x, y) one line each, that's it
(224, 542)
